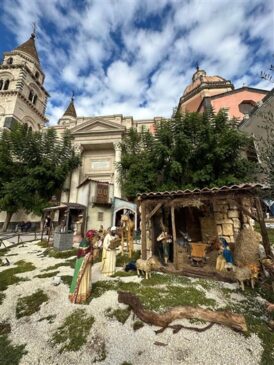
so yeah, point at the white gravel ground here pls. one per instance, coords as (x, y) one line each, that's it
(216, 346)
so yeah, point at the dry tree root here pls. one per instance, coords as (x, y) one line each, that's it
(235, 321)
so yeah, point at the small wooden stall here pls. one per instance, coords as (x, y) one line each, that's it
(201, 215)
(68, 223)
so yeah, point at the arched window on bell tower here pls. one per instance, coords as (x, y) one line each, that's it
(6, 86)
(1, 84)
(31, 95)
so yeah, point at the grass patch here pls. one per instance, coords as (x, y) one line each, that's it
(120, 314)
(43, 244)
(137, 325)
(170, 295)
(53, 267)
(52, 252)
(5, 328)
(124, 274)
(165, 279)
(255, 315)
(74, 331)
(50, 318)
(67, 279)
(30, 304)
(10, 354)
(8, 277)
(47, 275)
(71, 262)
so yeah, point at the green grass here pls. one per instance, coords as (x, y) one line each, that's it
(71, 262)
(52, 252)
(124, 274)
(270, 232)
(47, 275)
(67, 279)
(255, 314)
(137, 325)
(120, 314)
(30, 304)
(43, 244)
(172, 292)
(53, 267)
(73, 333)
(10, 354)
(8, 277)
(5, 328)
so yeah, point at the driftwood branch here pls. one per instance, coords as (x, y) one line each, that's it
(235, 321)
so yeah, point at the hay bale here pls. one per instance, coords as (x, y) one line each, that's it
(246, 250)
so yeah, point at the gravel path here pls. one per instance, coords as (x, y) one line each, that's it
(216, 346)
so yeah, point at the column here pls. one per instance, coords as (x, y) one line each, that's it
(117, 187)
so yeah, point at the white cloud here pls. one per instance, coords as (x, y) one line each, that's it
(136, 57)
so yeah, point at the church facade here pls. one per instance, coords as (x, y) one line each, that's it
(95, 184)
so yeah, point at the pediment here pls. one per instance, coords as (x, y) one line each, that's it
(97, 126)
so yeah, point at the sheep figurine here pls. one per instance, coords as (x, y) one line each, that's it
(146, 266)
(242, 274)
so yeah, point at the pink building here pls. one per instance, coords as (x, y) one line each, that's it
(217, 93)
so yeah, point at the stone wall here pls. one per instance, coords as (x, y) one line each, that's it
(229, 219)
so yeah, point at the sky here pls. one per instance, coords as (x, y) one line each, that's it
(136, 57)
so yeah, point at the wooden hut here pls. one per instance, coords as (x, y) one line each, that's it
(203, 215)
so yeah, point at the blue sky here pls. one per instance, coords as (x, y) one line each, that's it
(136, 57)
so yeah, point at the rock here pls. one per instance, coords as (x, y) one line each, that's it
(56, 280)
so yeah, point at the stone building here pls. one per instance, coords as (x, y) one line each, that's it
(23, 97)
(94, 184)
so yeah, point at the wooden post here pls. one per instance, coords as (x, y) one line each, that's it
(143, 231)
(260, 214)
(174, 237)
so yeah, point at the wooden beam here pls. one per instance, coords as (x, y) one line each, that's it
(175, 254)
(143, 231)
(266, 242)
(154, 210)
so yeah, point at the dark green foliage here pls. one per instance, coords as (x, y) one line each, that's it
(74, 331)
(192, 150)
(8, 277)
(10, 354)
(33, 167)
(30, 304)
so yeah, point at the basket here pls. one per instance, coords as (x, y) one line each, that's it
(116, 242)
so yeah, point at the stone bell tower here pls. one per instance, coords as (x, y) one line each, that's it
(23, 97)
